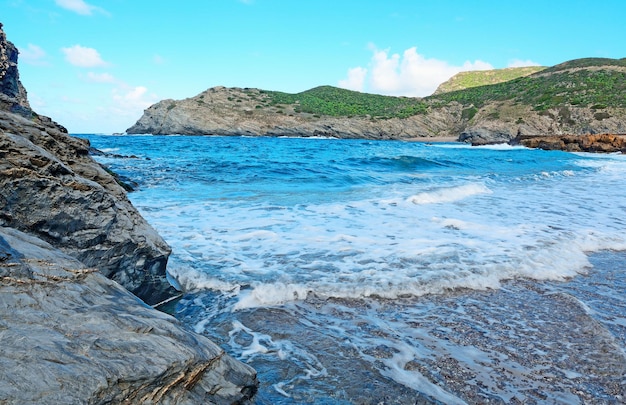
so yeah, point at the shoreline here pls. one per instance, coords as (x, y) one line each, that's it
(434, 139)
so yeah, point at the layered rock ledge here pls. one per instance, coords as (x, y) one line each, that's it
(71, 336)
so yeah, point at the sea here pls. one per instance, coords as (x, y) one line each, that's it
(393, 272)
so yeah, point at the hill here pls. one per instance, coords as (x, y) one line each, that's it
(476, 78)
(576, 97)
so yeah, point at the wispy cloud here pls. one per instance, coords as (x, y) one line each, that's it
(80, 7)
(33, 55)
(131, 101)
(83, 57)
(409, 74)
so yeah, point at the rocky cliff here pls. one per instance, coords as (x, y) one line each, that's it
(578, 97)
(69, 240)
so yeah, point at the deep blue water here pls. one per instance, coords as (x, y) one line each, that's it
(310, 257)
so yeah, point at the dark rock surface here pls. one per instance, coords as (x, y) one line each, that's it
(50, 187)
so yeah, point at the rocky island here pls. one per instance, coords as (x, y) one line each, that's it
(76, 261)
(576, 98)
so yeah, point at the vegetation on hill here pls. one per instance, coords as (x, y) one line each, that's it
(466, 80)
(587, 63)
(596, 83)
(336, 102)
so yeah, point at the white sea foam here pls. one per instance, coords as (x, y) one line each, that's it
(449, 194)
(405, 239)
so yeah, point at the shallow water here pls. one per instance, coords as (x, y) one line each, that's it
(393, 272)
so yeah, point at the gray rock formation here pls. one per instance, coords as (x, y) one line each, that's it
(71, 336)
(51, 188)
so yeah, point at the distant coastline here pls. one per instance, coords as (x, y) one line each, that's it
(574, 98)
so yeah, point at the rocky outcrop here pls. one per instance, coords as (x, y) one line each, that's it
(605, 143)
(69, 336)
(50, 187)
(503, 122)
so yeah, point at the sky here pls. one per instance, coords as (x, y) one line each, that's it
(95, 65)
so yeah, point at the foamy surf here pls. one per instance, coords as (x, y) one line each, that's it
(449, 194)
(350, 271)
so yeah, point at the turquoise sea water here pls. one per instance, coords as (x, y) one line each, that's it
(350, 271)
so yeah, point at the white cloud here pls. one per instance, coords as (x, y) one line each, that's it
(79, 7)
(33, 55)
(131, 101)
(100, 78)
(409, 74)
(522, 63)
(355, 80)
(83, 57)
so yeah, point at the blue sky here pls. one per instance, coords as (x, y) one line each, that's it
(94, 65)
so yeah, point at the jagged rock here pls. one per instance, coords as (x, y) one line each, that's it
(69, 335)
(484, 136)
(50, 187)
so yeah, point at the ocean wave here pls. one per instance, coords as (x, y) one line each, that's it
(449, 194)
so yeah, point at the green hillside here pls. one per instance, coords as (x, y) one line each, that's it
(466, 80)
(336, 102)
(592, 82)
